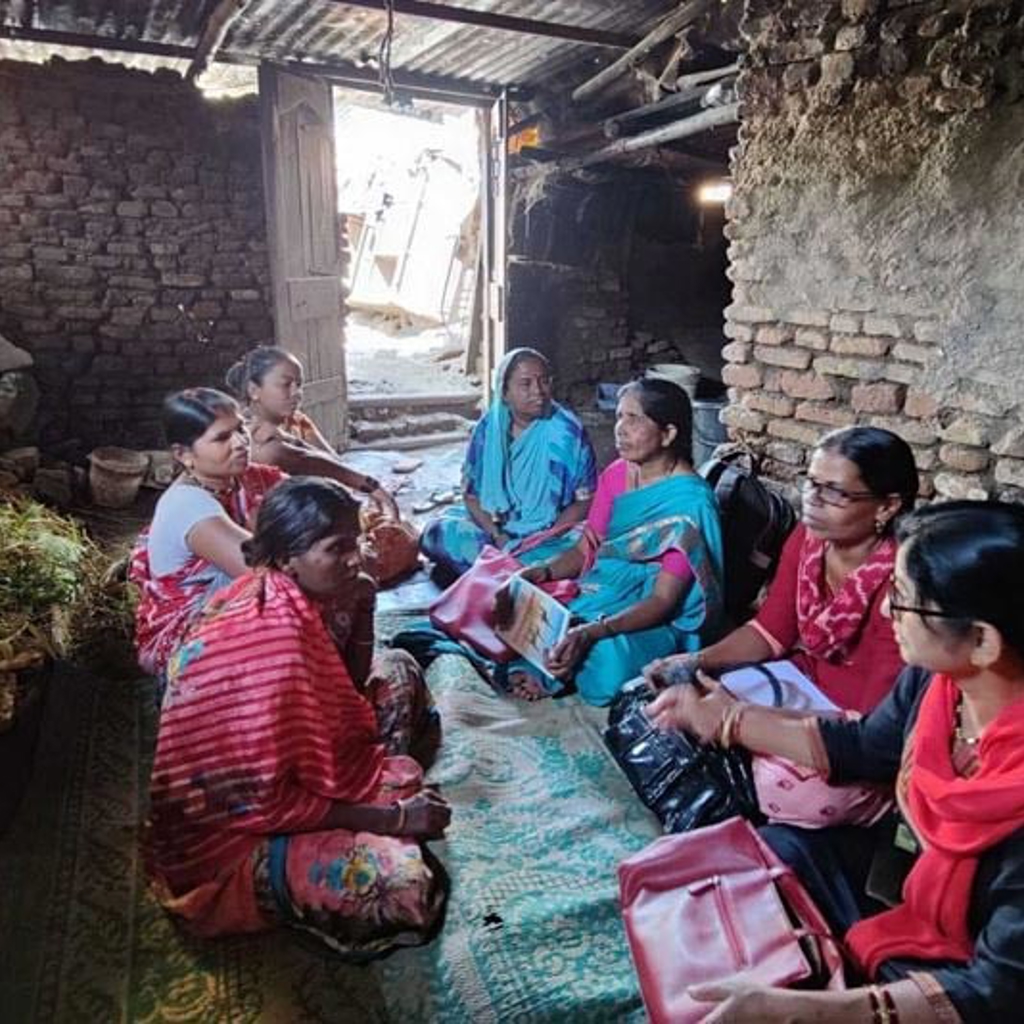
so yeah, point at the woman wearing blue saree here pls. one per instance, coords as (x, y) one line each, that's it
(649, 562)
(530, 466)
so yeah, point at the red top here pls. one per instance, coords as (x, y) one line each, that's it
(864, 673)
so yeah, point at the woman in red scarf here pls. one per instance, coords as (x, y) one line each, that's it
(933, 909)
(823, 608)
(282, 790)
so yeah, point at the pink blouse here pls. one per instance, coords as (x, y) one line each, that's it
(619, 477)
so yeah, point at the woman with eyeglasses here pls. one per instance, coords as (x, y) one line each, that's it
(931, 903)
(823, 609)
(530, 466)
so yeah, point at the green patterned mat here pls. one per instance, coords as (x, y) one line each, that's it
(532, 934)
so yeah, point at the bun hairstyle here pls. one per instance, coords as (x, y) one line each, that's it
(966, 558)
(187, 414)
(669, 406)
(295, 515)
(253, 367)
(884, 460)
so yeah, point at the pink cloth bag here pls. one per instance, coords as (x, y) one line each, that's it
(791, 794)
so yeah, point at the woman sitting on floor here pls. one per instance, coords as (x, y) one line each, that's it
(824, 606)
(649, 562)
(269, 382)
(283, 791)
(950, 736)
(529, 467)
(194, 544)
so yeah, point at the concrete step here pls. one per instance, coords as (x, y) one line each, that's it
(380, 407)
(404, 424)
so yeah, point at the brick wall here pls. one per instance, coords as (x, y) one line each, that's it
(876, 234)
(124, 196)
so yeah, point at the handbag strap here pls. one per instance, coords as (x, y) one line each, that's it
(773, 679)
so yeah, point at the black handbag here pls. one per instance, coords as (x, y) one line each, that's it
(686, 783)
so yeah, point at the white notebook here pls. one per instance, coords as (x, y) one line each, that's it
(798, 692)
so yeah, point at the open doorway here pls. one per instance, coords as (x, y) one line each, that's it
(409, 207)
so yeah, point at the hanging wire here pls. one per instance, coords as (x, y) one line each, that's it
(387, 82)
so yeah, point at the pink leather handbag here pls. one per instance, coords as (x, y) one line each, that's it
(705, 905)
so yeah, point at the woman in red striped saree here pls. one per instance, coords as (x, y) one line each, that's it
(283, 790)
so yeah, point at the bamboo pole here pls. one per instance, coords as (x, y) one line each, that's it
(667, 28)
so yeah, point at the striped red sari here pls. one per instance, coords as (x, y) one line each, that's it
(261, 731)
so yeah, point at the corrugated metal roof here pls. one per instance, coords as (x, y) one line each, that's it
(328, 32)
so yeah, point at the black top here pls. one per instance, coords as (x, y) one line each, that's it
(991, 986)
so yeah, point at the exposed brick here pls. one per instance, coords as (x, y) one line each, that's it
(1010, 471)
(884, 325)
(920, 404)
(741, 376)
(764, 401)
(791, 358)
(830, 415)
(859, 345)
(912, 431)
(860, 369)
(901, 373)
(928, 332)
(787, 453)
(968, 429)
(964, 459)
(808, 318)
(811, 337)
(877, 397)
(926, 458)
(845, 323)
(738, 331)
(911, 353)
(738, 418)
(736, 352)
(971, 396)
(956, 486)
(750, 314)
(790, 430)
(1011, 443)
(775, 334)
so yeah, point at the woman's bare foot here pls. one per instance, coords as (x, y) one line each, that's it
(525, 686)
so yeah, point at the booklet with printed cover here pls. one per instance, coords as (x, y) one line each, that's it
(538, 622)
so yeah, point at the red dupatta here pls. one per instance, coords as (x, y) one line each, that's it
(828, 623)
(261, 731)
(957, 819)
(169, 604)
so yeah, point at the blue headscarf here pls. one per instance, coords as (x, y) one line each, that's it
(515, 479)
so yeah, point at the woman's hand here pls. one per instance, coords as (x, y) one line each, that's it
(698, 708)
(565, 656)
(742, 1002)
(536, 574)
(426, 815)
(677, 668)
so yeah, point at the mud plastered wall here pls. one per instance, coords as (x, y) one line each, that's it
(877, 234)
(132, 242)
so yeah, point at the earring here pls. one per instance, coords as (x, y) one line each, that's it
(879, 526)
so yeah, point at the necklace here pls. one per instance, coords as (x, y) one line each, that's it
(959, 731)
(189, 477)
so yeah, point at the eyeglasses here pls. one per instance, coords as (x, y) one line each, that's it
(830, 494)
(927, 613)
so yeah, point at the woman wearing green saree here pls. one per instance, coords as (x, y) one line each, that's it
(648, 562)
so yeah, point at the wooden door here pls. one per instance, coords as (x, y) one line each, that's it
(302, 227)
(494, 242)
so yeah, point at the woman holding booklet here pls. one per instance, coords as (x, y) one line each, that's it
(648, 562)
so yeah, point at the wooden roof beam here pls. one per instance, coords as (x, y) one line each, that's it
(665, 29)
(502, 22)
(215, 31)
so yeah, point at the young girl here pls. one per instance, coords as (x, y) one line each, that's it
(268, 381)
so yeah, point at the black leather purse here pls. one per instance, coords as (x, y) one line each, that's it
(686, 783)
